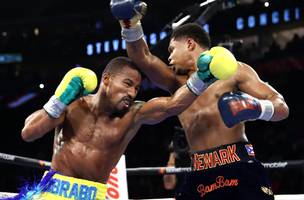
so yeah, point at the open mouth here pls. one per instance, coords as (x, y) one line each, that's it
(126, 103)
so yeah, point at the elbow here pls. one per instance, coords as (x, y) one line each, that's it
(281, 113)
(26, 135)
(286, 112)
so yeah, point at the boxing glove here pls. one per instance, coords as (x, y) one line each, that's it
(77, 82)
(216, 64)
(129, 14)
(236, 107)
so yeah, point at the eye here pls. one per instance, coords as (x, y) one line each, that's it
(127, 83)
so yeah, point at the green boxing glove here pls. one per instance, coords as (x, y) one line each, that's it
(77, 82)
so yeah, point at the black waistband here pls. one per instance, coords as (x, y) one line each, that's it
(221, 156)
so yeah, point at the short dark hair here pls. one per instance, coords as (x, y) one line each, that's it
(194, 31)
(116, 64)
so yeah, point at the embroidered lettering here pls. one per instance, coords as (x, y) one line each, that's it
(220, 182)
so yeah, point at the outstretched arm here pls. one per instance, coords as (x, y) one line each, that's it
(223, 65)
(158, 109)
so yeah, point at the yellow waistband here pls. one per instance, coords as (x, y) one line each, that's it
(65, 187)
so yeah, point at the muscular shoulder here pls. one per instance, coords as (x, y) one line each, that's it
(82, 102)
(244, 72)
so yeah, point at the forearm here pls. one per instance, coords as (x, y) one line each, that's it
(138, 51)
(180, 100)
(154, 68)
(37, 125)
(140, 54)
(169, 181)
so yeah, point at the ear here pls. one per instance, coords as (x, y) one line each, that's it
(191, 44)
(106, 79)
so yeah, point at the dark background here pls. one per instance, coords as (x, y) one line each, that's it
(65, 29)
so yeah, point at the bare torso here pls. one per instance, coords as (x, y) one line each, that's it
(89, 146)
(202, 122)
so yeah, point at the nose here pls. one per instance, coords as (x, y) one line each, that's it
(132, 92)
(170, 59)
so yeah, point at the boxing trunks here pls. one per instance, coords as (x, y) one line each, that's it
(54, 186)
(226, 172)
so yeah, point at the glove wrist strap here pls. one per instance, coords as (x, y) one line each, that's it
(54, 107)
(196, 85)
(132, 34)
(267, 110)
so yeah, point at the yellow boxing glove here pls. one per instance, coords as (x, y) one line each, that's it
(218, 63)
(77, 82)
(223, 64)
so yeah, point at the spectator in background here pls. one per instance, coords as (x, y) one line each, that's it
(178, 157)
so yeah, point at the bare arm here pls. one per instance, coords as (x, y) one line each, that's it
(38, 124)
(154, 68)
(158, 109)
(249, 82)
(137, 49)
(170, 179)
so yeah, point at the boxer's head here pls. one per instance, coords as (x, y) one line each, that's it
(121, 81)
(186, 43)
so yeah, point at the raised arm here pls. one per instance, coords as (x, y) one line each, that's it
(77, 82)
(129, 14)
(154, 68)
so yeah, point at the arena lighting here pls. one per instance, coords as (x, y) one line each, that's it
(10, 58)
(267, 18)
(115, 45)
(266, 4)
(41, 85)
(245, 2)
(21, 100)
(191, 13)
(206, 3)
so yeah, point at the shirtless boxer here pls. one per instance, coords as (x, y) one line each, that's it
(96, 129)
(222, 157)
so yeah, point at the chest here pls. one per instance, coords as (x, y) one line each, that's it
(85, 127)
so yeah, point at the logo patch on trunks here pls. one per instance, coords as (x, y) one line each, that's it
(249, 149)
(220, 182)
